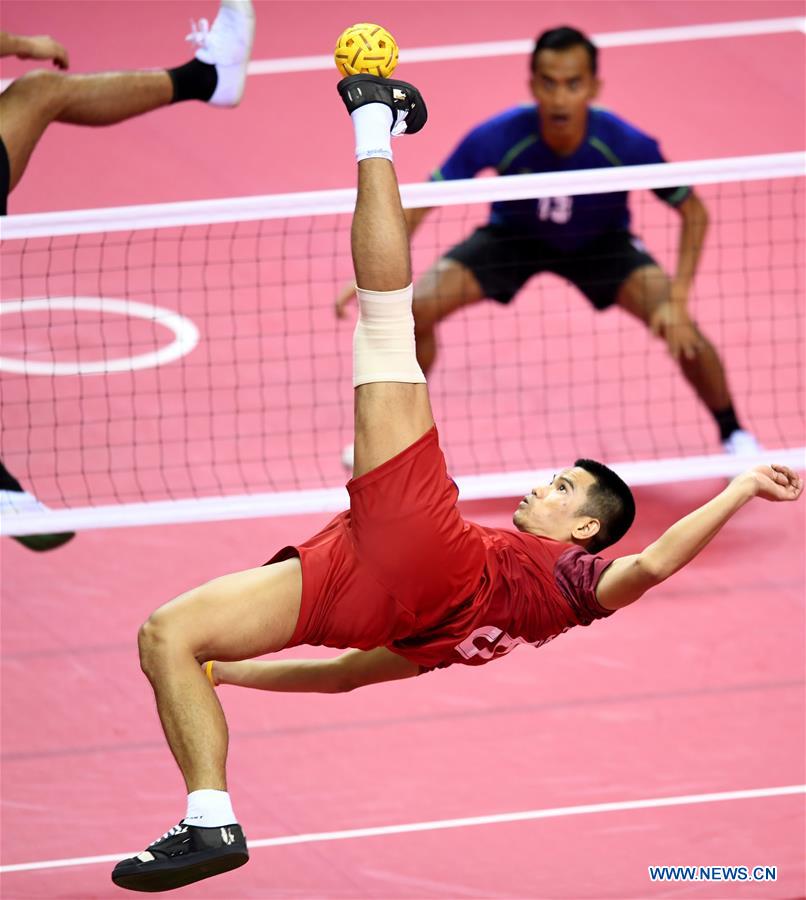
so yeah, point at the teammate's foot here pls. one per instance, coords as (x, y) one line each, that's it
(15, 502)
(227, 46)
(409, 112)
(741, 443)
(348, 457)
(181, 856)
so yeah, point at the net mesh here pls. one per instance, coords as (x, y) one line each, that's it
(146, 361)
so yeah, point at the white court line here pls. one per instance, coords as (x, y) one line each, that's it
(525, 46)
(747, 28)
(440, 824)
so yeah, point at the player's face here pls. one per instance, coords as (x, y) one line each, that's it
(552, 510)
(564, 85)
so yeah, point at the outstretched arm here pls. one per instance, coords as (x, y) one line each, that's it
(351, 670)
(629, 577)
(39, 46)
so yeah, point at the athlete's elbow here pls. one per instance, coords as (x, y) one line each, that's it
(654, 569)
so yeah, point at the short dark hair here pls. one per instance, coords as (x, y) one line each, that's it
(610, 501)
(564, 38)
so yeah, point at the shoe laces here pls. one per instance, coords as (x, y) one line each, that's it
(170, 833)
(199, 33)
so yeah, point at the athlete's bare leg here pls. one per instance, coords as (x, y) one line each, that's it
(389, 416)
(40, 97)
(216, 74)
(641, 295)
(446, 287)
(239, 616)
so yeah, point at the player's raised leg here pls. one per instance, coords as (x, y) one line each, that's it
(217, 75)
(392, 409)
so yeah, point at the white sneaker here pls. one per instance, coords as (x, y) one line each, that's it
(348, 457)
(742, 443)
(15, 502)
(227, 46)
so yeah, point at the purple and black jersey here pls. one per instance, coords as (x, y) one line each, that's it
(510, 143)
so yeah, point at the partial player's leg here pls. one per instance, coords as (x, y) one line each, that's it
(642, 294)
(445, 288)
(392, 409)
(217, 75)
(493, 262)
(239, 616)
(40, 97)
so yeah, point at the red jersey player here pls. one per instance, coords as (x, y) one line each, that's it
(401, 577)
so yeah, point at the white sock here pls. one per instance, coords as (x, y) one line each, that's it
(209, 809)
(373, 134)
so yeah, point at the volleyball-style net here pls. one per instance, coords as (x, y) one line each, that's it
(183, 362)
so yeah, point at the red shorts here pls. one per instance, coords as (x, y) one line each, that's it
(397, 564)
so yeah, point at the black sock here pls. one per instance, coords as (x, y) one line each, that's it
(195, 80)
(7, 481)
(726, 421)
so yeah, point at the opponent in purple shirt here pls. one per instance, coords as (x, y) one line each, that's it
(584, 239)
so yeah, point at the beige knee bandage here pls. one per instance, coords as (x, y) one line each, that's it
(383, 342)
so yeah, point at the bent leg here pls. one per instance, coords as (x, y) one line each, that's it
(238, 616)
(641, 294)
(446, 287)
(40, 97)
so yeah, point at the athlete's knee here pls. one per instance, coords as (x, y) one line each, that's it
(644, 290)
(159, 636)
(42, 91)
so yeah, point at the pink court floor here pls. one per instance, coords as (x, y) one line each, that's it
(671, 734)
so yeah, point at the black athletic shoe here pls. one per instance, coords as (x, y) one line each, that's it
(42, 542)
(183, 855)
(407, 106)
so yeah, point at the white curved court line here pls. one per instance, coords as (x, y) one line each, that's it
(442, 824)
(480, 50)
(186, 336)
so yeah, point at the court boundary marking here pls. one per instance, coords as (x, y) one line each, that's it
(444, 824)
(524, 46)
(521, 46)
(185, 335)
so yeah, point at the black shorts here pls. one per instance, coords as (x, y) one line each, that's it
(5, 178)
(504, 259)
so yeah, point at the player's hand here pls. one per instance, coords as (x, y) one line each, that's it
(672, 322)
(345, 298)
(774, 482)
(42, 46)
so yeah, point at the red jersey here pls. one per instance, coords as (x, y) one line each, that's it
(532, 589)
(403, 569)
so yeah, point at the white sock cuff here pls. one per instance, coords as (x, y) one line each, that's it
(383, 343)
(373, 131)
(209, 809)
